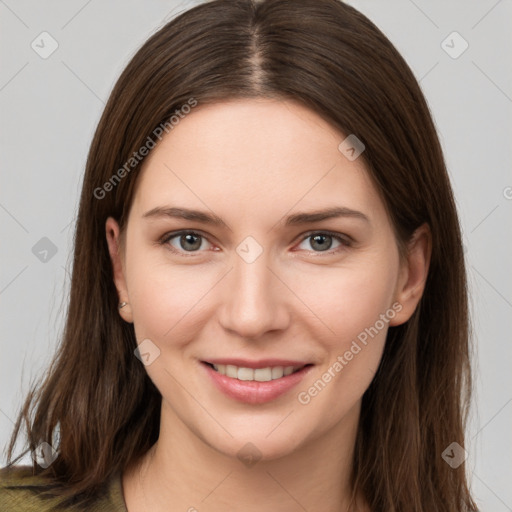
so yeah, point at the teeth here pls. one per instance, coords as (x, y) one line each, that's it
(259, 375)
(262, 374)
(277, 372)
(245, 374)
(231, 371)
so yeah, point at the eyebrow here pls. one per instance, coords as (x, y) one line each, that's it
(291, 220)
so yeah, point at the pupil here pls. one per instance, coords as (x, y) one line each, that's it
(322, 239)
(189, 239)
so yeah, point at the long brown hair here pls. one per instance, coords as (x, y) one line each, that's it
(331, 58)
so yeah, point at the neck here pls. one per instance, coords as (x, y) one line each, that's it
(182, 470)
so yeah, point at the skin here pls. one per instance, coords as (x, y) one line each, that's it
(252, 162)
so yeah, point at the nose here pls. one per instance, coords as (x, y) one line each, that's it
(254, 300)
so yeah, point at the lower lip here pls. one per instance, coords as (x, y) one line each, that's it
(255, 392)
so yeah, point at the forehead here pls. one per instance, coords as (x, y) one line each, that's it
(257, 157)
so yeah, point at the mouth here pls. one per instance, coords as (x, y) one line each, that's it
(255, 382)
(264, 374)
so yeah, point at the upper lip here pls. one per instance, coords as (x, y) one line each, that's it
(261, 363)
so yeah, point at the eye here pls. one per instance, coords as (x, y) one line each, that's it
(323, 241)
(184, 241)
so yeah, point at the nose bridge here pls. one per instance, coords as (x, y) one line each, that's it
(253, 304)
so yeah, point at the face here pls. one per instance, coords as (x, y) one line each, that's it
(255, 284)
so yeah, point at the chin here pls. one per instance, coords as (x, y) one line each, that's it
(253, 445)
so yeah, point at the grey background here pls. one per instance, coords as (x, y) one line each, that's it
(49, 110)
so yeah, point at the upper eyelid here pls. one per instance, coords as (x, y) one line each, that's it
(173, 234)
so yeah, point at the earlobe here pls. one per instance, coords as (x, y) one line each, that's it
(413, 274)
(117, 259)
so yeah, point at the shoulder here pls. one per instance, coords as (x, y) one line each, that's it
(22, 491)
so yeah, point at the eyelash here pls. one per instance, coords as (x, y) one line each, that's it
(345, 241)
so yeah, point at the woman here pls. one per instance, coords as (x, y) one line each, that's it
(268, 306)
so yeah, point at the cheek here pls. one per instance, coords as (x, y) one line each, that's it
(162, 295)
(166, 300)
(347, 299)
(356, 304)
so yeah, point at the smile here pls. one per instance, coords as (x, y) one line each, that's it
(258, 374)
(259, 385)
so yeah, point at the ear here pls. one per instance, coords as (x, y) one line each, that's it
(116, 252)
(413, 274)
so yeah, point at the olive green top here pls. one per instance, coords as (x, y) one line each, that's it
(19, 493)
